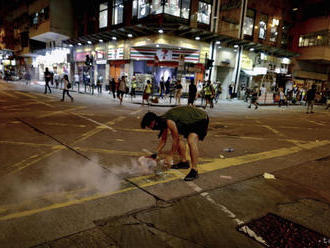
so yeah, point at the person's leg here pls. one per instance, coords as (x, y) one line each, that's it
(307, 107)
(193, 147)
(312, 105)
(63, 94)
(68, 93)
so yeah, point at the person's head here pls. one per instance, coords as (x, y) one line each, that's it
(162, 78)
(192, 82)
(149, 120)
(47, 69)
(263, 85)
(148, 82)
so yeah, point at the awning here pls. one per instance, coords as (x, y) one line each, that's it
(310, 75)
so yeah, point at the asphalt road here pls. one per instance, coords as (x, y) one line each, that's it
(70, 177)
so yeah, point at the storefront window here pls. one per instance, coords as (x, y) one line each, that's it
(185, 9)
(315, 39)
(204, 12)
(273, 30)
(249, 22)
(172, 7)
(263, 27)
(117, 12)
(143, 8)
(135, 8)
(156, 7)
(103, 15)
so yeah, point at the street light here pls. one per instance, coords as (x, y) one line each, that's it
(129, 35)
(197, 38)
(100, 41)
(114, 38)
(160, 31)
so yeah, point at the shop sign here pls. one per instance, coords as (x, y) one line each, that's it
(246, 62)
(164, 54)
(100, 54)
(81, 56)
(115, 53)
(101, 62)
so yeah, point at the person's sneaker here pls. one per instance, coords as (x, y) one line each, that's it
(193, 174)
(181, 165)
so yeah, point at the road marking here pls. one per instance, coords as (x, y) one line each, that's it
(61, 112)
(171, 175)
(95, 122)
(62, 124)
(316, 123)
(136, 112)
(26, 94)
(274, 130)
(29, 144)
(249, 158)
(117, 152)
(8, 94)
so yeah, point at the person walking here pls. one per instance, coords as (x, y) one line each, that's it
(192, 93)
(133, 87)
(146, 92)
(67, 86)
(121, 89)
(99, 84)
(327, 95)
(182, 122)
(254, 97)
(112, 84)
(282, 98)
(27, 77)
(167, 86)
(178, 92)
(310, 97)
(162, 87)
(218, 92)
(48, 78)
(230, 91)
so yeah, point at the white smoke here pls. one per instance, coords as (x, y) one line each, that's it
(65, 175)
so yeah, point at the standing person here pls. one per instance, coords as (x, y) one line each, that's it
(310, 97)
(113, 87)
(67, 86)
(133, 86)
(178, 92)
(99, 84)
(327, 95)
(48, 78)
(282, 98)
(167, 86)
(121, 89)
(230, 90)
(254, 97)
(209, 94)
(186, 121)
(57, 80)
(162, 87)
(192, 93)
(218, 92)
(27, 77)
(147, 92)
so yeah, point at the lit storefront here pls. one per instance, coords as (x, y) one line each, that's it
(55, 60)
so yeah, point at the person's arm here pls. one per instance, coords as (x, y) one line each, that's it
(175, 136)
(162, 142)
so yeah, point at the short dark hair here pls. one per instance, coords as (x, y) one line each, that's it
(147, 119)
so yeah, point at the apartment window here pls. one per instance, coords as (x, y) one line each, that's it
(185, 9)
(263, 27)
(180, 8)
(248, 25)
(103, 15)
(117, 12)
(204, 12)
(273, 29)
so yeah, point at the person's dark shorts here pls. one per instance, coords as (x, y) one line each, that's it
(146, 96)
(199, 128)
(208, 97)
(120, 93)
(191, 100)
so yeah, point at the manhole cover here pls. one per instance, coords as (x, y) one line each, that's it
(278, 232)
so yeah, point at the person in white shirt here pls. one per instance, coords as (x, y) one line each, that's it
(67, 86)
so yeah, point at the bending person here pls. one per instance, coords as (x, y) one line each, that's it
(186, 121)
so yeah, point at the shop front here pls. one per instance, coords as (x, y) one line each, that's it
(56, 60)
(165, 62)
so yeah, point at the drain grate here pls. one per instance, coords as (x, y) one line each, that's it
(278, 232)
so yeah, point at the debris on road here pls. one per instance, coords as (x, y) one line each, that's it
(268, 176)
(228, 149)
(221, 156)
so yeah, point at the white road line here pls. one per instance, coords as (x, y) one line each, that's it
(96, 122)
(224, 209)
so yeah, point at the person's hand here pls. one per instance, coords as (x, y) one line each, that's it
(168, 161)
